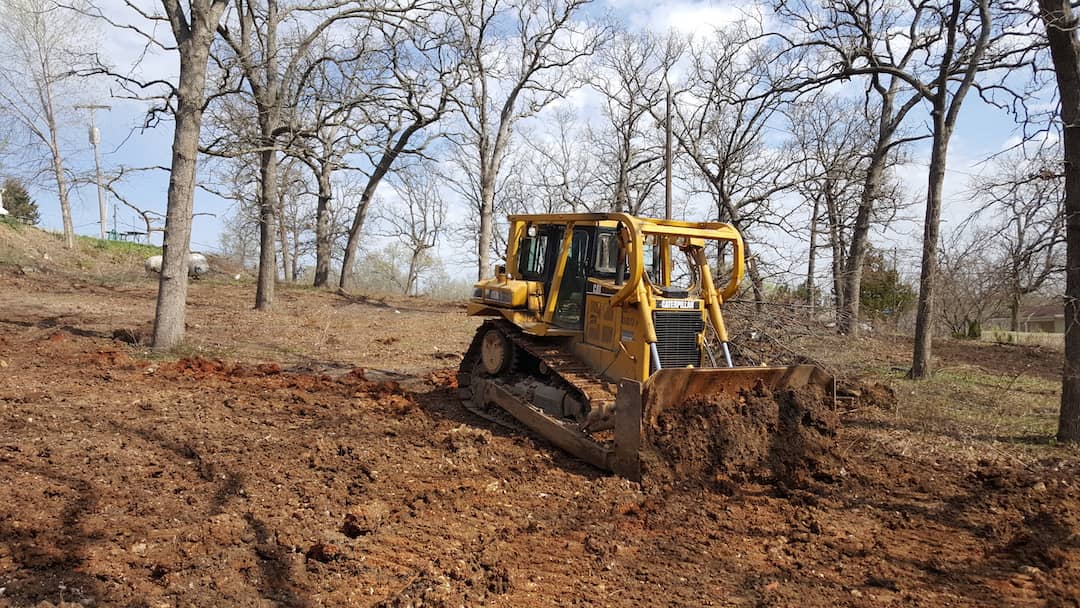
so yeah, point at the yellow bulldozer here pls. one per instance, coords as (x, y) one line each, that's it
(600, 323)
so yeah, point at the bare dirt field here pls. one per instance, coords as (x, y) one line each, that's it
(316, 456)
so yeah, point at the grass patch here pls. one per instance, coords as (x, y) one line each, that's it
(119, 248)
(14, 223)
(970, 404)
(184, 350)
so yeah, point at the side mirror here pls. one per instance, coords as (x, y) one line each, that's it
(500, 270)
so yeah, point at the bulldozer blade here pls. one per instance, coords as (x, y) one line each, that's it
(672, 387)
(639, 405)
(627, 461)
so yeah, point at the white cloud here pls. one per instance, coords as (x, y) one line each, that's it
(684, 16)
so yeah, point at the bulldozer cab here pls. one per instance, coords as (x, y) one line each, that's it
(607, 279)
(594, 253)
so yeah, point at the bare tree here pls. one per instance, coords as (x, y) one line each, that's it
(834, 37)
(268, 43)
(632, 76)
(296, 220)
(193, 24)
(521, 185)
(557, 171)
(42, 46)
(971, 286)
(422, 69)
(327, 133)
(942, 45)
(517, 56)
(193, 30)
(731, 98)
(416, 220)
(840, 144)
(966, 33)
(1025, 200)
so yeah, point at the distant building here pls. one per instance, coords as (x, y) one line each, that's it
(1045, 318)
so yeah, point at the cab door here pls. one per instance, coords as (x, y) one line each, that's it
(570, 302)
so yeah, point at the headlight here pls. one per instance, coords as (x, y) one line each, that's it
(498, 295)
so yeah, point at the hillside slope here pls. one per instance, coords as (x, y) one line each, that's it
(28, 249)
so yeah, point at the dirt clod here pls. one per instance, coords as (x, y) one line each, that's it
(365, 519)
(324, 552)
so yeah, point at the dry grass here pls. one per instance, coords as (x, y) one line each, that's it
(107, 263)
(1054, 341)
(966, 414)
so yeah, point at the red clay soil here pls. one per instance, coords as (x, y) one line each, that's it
(129, 481)
(784, 436)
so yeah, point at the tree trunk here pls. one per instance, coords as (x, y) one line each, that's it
(322, 228)
(487, 225)
(622, 191)
(264, 290)
(944, 114)
(837, 247)
(924, 319)
(860, 238)
(355, 230)
(65, 205)
(173, 283)
(381, 169)
(61, 188)
(1060, 24)
(295, 263)
(757, 285)
(57, 161)
(1014, 311)
(410, 279)
(283, 236)
(811, 256)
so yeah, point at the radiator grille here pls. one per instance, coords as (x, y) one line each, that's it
(677, 337)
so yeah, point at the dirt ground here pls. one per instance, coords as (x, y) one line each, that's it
(316, 456)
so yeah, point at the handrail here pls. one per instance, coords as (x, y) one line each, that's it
(637, 228)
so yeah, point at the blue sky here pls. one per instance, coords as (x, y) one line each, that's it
(981, 132)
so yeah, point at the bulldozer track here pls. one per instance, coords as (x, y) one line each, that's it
(560, 362)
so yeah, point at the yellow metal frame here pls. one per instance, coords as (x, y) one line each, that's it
(636, 297)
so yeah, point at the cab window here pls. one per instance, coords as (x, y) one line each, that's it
(606, 259)
(532, 257)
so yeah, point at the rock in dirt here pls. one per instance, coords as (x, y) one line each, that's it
(363, 520)
(466, 441)
(784, 436)
(324, 552)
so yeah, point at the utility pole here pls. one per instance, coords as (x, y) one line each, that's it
(95, 139)
(667, 153)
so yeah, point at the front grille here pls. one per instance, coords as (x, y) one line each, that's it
(677, 337)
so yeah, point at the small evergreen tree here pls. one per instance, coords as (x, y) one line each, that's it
(18, 203)
(883, 294)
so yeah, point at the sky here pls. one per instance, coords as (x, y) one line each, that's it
(981, 132)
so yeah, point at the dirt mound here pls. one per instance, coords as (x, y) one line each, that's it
(784, 436)
(866, 393)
